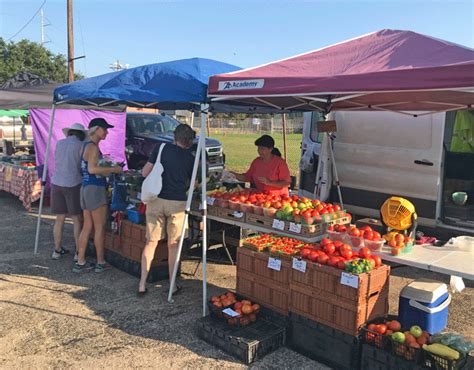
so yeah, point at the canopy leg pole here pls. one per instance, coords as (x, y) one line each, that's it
(284, 137)
(186, 218)
(43, 180)
(202, 136)
(331, 153)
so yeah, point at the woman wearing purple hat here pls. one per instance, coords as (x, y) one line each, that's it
(94, 195)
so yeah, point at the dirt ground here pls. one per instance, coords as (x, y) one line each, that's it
(53, 318)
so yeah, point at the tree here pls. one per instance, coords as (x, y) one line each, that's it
(28, 56)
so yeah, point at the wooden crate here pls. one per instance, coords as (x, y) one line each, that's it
(307, 231)
(226, 213)
(261, 284)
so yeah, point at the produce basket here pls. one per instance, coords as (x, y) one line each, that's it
(435, 362)
(337, 236)
(374, 245)
(407, 352)
(357, 241)
(373, 338)
(215, 311)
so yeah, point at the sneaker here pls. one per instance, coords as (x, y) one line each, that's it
(76, 257)
(82, 268)
(58, 254)
(101, 267)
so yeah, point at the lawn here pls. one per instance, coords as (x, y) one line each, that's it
(240, 149)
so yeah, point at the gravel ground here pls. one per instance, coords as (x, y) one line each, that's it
(53, 318)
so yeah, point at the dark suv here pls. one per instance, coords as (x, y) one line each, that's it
(146, 130)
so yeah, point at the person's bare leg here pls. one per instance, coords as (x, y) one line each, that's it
(99, 217)
(147, 258)
(77, 224)
(84, 238)
(58, 231)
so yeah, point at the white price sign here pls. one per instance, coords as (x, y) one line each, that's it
(299, 265)
(238, 214)
(274, 264)
(278, 224)
(211, 200)
(295, 228)
(230, 312)
(350, 280)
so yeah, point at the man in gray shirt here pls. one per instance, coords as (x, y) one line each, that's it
(66, 185)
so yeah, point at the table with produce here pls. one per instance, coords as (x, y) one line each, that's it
(19, 176)
(325, 281)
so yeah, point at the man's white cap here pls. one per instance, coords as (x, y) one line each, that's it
(75, 126)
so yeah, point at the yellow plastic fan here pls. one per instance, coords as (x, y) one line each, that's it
(397, 213)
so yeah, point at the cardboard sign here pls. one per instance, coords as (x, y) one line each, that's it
(350, 280)
(295, 228)
(326, 126)
(299, 265)
(274, 264)
(278, 224)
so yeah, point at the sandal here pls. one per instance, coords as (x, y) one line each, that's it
(58, 254)
(142, 293)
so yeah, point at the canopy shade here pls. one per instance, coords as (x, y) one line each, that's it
(13, 112)
(386, 70)
(180, 84)
(26, 90)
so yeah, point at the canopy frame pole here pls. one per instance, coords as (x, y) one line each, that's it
(284, 136)
(186, 217)
(329, 117)
(43, 180)
(202, 136)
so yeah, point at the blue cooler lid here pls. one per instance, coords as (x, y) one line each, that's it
(430, 293)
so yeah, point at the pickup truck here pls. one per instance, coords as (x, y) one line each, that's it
(145, 130)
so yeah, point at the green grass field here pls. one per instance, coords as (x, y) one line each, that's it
(240, 149)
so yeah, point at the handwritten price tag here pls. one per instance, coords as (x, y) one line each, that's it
(278, 224)
(230, 312)
(238, 214)
(274, 264)
(295, 228)
(211, 200)
(350, 280)
(299, 265)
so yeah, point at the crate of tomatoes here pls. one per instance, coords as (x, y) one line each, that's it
(234, 311)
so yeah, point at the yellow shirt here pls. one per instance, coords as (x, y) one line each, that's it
(463, 133)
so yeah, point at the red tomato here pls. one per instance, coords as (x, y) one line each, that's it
(326, 241)
(337, 207)
(392, 243)
(338, 244)
(329, 248)
(313, 256)
(354, 231)
(305, 252)
(345, 247)
(331, 228)
(347, 254)
(323, 259)
(399, 238)
(366, 228)
(368, 234)
(377, 260)
(365, 252)
(377, 236)
(341, 264)
(342, 229)
(333, 260)
(372, 262)
(381, 328)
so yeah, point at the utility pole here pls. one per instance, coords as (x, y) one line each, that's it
(70, 43)
(44, 23)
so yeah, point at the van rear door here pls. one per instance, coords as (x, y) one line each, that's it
(380, 154)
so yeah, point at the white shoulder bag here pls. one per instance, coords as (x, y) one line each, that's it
(153, 183)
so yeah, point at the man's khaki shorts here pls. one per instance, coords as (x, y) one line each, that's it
(164, 218)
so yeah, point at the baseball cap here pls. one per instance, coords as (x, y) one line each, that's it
(99, 122)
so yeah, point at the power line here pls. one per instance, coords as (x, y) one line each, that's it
(27, 23)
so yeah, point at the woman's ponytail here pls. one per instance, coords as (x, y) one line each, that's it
(276, 151)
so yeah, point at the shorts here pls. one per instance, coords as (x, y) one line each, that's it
(93, 197)
(164, 218)
(66, 200)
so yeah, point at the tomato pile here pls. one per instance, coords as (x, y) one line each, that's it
(340, 255)
(398, 243)
(27, 164)
(276, 244)
(246, 310)
(284, 207)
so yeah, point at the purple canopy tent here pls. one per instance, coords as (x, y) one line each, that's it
(390, 70)
(113, 145)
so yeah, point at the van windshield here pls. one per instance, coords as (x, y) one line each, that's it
(150, 124)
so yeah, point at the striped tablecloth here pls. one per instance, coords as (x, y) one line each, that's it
(22, 183)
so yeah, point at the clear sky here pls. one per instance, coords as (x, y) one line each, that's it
(244, 33)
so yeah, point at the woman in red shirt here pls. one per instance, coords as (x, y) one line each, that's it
(268, 172)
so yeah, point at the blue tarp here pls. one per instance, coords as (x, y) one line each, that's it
(180, 84)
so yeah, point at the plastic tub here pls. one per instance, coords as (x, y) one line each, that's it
(335, 235)
(357, 241)
(373, 244)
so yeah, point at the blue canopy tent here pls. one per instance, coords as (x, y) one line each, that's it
(180, 84)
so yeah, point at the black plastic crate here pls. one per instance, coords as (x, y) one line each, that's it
(435, 362)
(373, 358)
(247, 344)
(407, 352)
(324, 344)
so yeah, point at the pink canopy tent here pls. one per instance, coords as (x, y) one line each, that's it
(387, 70)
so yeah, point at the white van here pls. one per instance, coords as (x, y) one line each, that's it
(381, 154)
